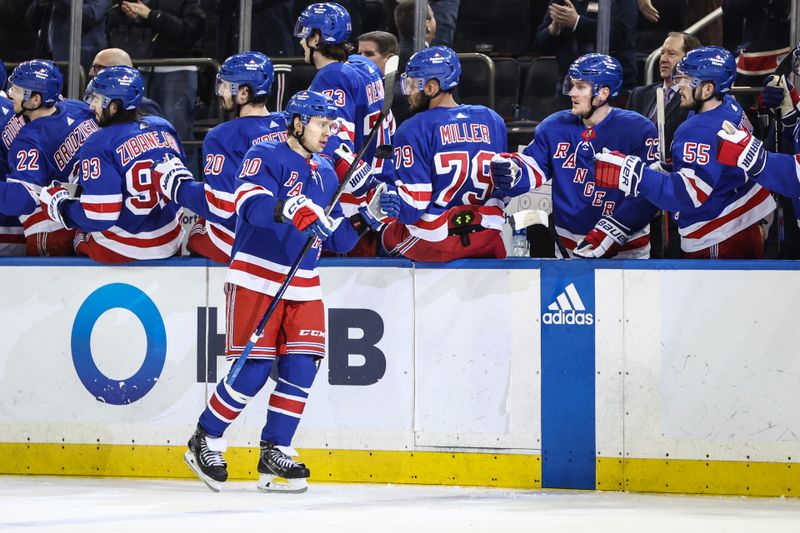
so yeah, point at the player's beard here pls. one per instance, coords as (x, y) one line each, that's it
(423, 104)
(228, 108)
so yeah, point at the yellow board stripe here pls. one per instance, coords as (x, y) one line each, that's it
(340, 466)
(423, 468)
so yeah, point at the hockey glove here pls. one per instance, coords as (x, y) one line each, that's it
(606, 239)
(383, 205)
(169, 174)
(505, 172)
(614, 170)
(361, 180)
(737, 148)
(779, 93)
(307, 217)
(52, 200)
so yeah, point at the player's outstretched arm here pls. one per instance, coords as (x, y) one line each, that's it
(17, 198)
(514, 174)
(777, 172)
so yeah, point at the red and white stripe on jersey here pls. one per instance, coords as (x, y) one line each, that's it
(264, 276)
(347, 130)
(224, 410)
(492, 214)
(220, 203)
(38, 222)
(637, 246)
(350, 203)
(247, 191)
(430, 227)
(417, 195)
(697, 189)
(156, 244)
(220, 236)
(435, 228)
(530, 168)
(102, 206)
(12, 241)
(759, 63)
(756, 204)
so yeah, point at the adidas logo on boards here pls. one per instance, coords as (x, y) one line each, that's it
(568, 309)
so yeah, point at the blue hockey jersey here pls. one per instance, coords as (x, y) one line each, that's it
(563, 151)
(368, 109)
(265, 247)
(223, 150)
(44, 150)
(712, 201)
(12, 240)
(119, 205)
(442, 159)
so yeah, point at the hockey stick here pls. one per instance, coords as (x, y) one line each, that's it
(662, 156)
(391, 73)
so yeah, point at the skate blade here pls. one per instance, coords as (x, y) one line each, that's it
(270, 483)
(188, 458)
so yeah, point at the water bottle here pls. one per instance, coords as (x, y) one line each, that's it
(520, 247)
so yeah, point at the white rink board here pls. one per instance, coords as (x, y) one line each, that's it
(477, 362)
(713, 365)
(41, 397)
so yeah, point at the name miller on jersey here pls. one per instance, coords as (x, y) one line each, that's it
(73, 142)
(144, 142)
(464, 132)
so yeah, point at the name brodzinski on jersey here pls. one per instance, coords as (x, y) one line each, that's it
(561, 317)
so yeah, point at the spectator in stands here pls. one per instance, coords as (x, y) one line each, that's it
(446, 15)
(759, 32)
(52, 18)
(163, 29)
(567, 32)
(378, 46)
(16, 39)
(643, 101)
(112, 57)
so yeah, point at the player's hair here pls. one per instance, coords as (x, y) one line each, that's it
(690, 42)
(404, 18)
(124, 115)
(337, 52)
(385, 42)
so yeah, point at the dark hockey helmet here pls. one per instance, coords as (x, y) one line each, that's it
(329, 18)
(38, 76)
(435, 63)
(309, 104)
(117, 83)
(598, 69)
(248, 68)
(709, 63)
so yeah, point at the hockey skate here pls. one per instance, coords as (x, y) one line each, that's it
(276, 462)
(204, 457)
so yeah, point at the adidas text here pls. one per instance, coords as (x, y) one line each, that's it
(568, 317)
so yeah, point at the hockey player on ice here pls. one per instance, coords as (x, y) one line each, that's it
(719, 209)
(589, 222)
(119, 214)
(280, 194)
(243, 83)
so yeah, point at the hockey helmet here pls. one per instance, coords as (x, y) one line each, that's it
(309, 104)
(248, 68)
(435, 63)
(38, 76)
(598, 69)
(709, 63)
(117, 83)
(330, 19)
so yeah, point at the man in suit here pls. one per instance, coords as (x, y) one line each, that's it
(643, 101)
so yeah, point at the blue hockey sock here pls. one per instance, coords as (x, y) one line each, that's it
(295, 376)
(228, 401)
